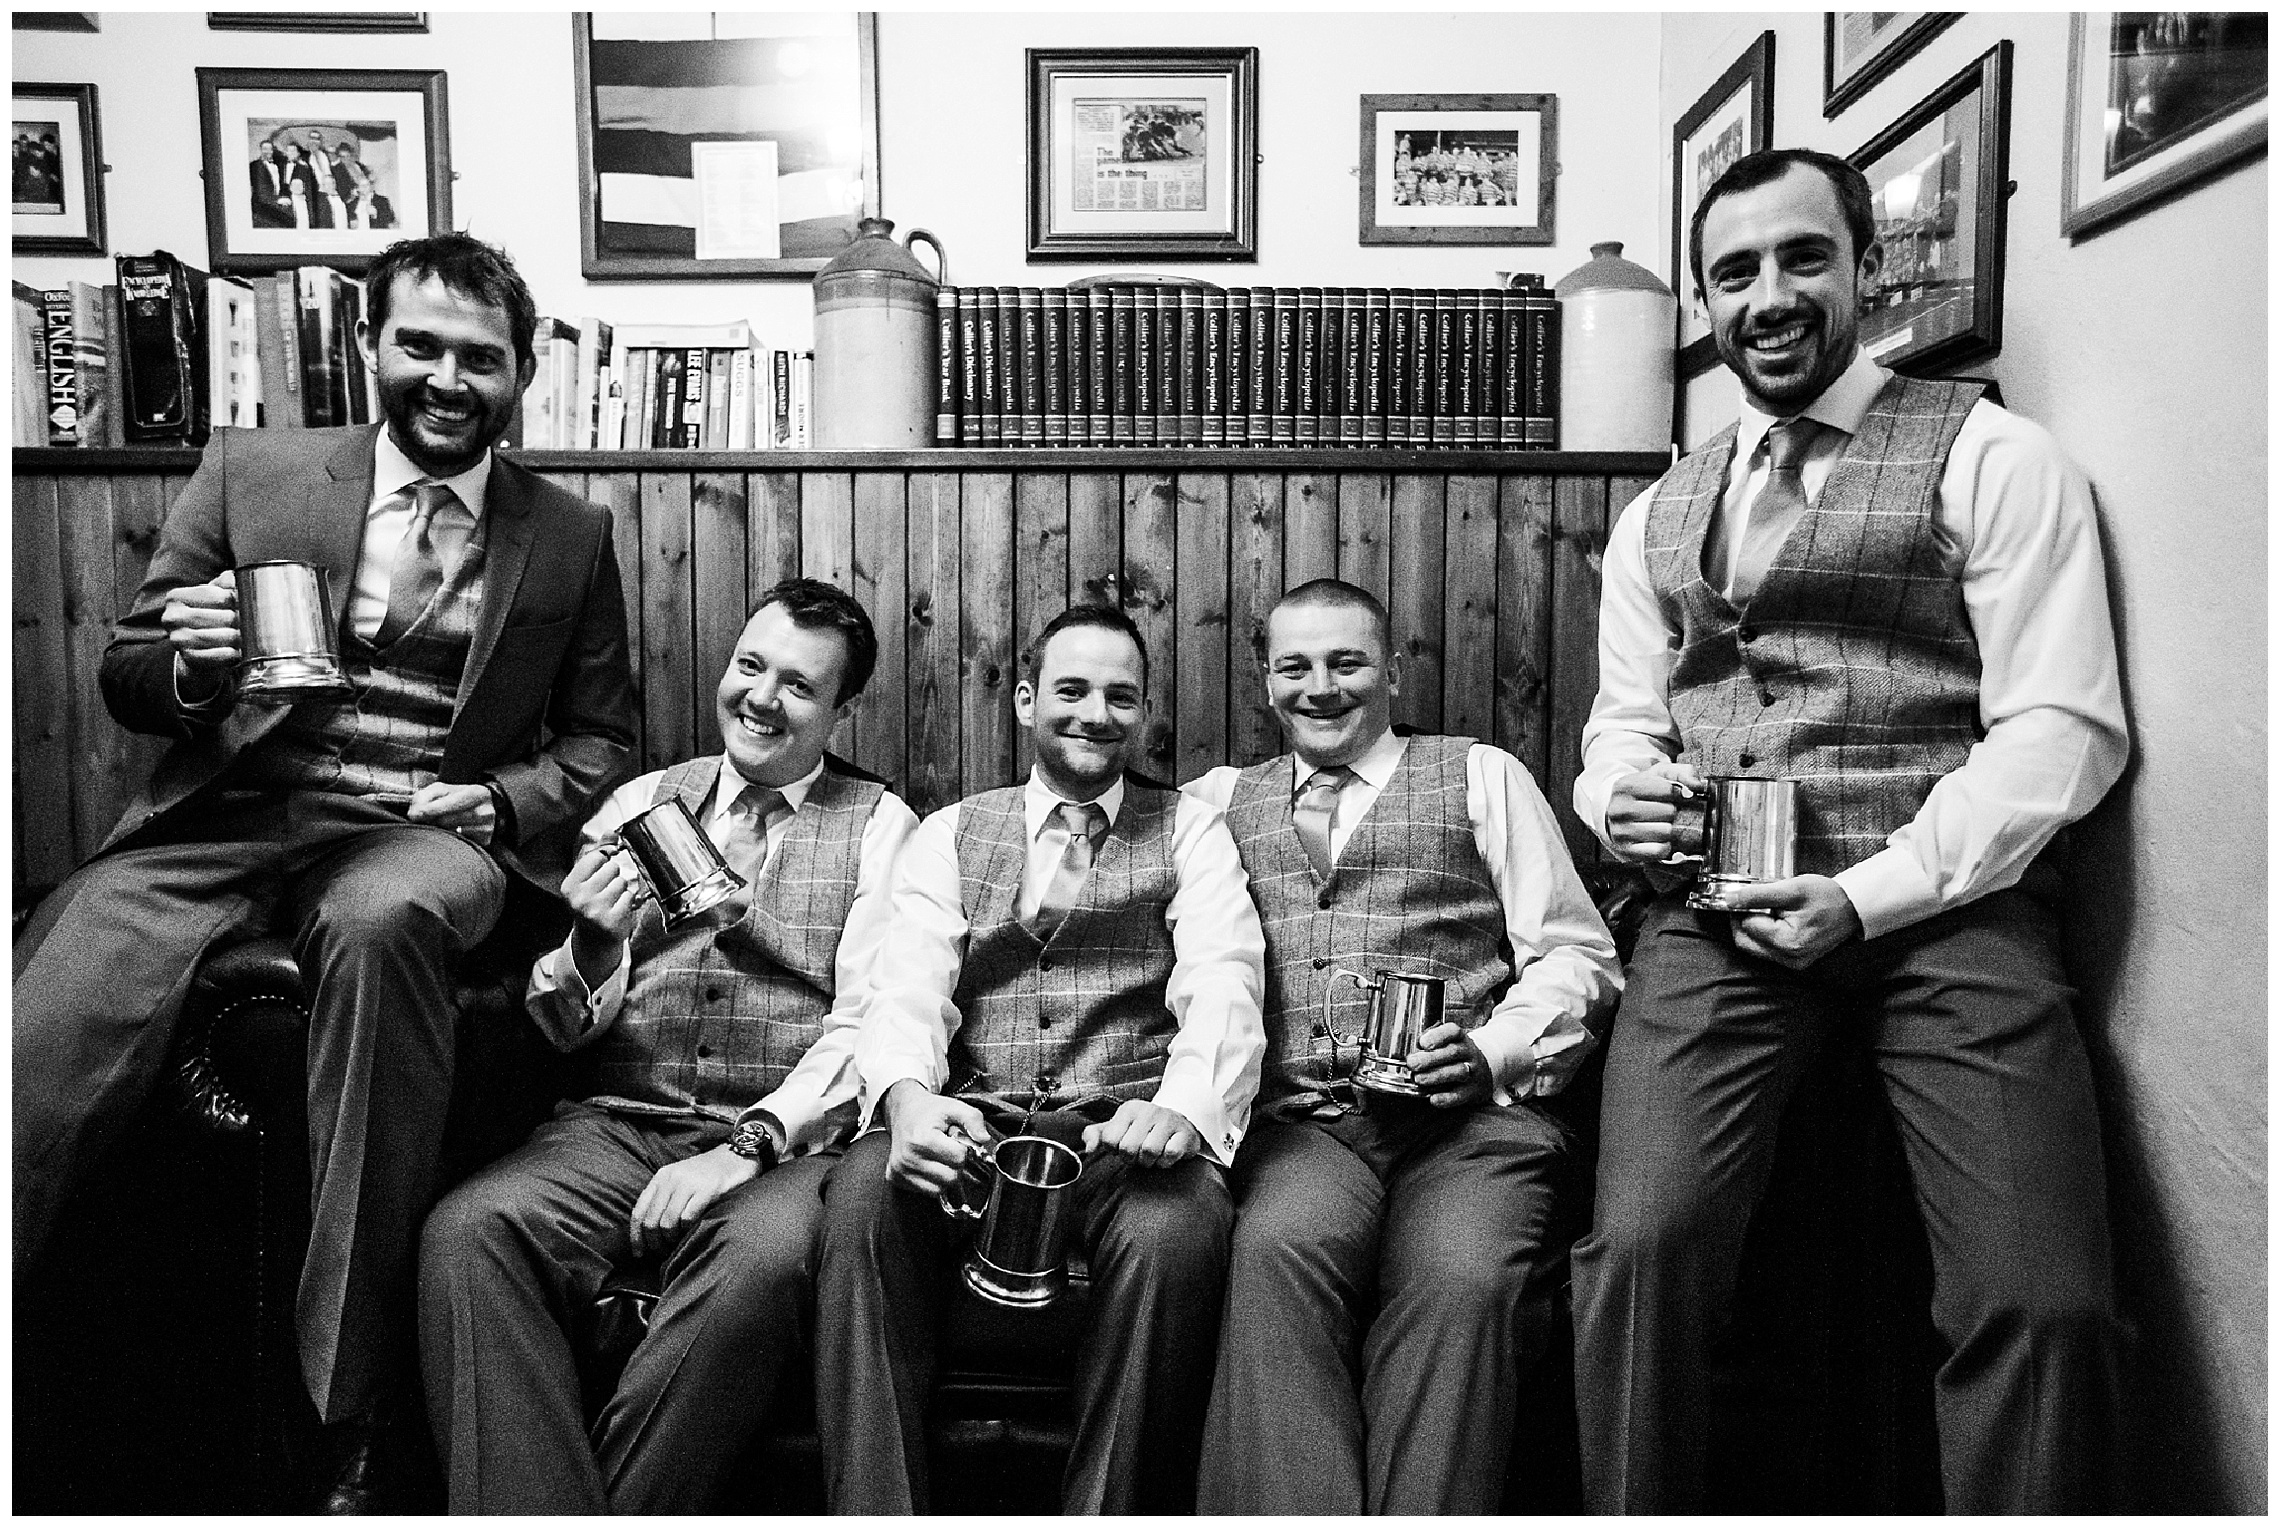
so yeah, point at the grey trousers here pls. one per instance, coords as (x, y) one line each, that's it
(514, 1253)
(1156, 1239)
(1969, 1017)
(381, 912)
(1394, 1274)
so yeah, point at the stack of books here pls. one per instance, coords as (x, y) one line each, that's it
(1119, 365)
(696, 387)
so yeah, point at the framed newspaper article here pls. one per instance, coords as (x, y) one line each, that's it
(1147, 153)
(1458, 169)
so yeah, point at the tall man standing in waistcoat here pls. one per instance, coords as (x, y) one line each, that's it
(1889, 591)
(482, 629)
(1397, 1261)
(724, 1051)
(1083, 942)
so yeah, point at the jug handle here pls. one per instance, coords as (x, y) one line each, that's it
(941, 256)
(1322, 1021)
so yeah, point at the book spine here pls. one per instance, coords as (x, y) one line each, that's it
(1031, 365)
(1286, 358)
(1124, 310)
(1167, 366)
(1147, 339)
(693, 393)
(286, 299)
(362, 399)
(716, 399)
(582, 404)
(1464, 426)
(1353, 364)
(1212, 428)
(780, 394)
(1259, 357)
(946, 371)
(1308, 368)
(969, 367)
(1511, 350)
(1543, 427)
(665, 433)
(740, 400)
(1055, 351)
(1100, 366)
(1442, 431)
(1189, 365)
(1332, 364)
(615, 395)
(1376, 374)
(62, 369)
(29, 375)
(154, 349)
(1238, 365)
(1488, 434)
(93, 348)
(993, 368)
(803, 400)
(316, 322)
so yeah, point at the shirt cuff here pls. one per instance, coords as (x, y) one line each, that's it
(217, 701)
(875, 1089)
(1511, 1064)
(593, 1002)
(1208, 1114)
(1889, 890)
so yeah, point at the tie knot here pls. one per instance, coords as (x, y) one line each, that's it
(1082, 819)
(760, 802)
(1326, 781)
(1787, 442)
(428, 496)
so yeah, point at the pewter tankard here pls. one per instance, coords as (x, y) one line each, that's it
(287, 634)
(1744, 829)
(680, 863)
(1017, 1189)
(1402, 1007)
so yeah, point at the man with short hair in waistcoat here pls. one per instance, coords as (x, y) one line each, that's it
(1889, 591)
(723, 1052)
(1082, 944)
(1397, 1260)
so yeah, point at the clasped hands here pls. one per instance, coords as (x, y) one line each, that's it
(931, 1137)
(1803, 918)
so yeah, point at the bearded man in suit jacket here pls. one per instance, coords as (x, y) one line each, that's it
(484, 634)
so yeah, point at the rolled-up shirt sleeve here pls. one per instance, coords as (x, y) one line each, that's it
(569, 1013)
(1217, 985)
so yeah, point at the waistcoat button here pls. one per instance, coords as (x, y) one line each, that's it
(1748, 759)
(1321, 962)
(1044, 962)
(703, 1051)
(1323, 901)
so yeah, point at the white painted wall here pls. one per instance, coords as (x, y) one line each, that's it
(2144, 350)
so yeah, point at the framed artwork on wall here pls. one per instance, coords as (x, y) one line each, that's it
(1459, 169)
(1859, 48)
(716, 144)
(1938, 178)
(2156, 101)
(1734, 117)
(55, 181)
(1143, 153)
(316, 21)
(321, 166)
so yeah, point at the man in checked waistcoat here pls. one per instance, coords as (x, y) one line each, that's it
(1397, 1261)
(1083, 942)
(1889, 591)
(723, 1051)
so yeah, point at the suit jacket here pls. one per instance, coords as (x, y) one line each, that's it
(549, 650)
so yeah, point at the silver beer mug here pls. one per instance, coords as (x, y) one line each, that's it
(287, 635)
(1018, 1190)
(1402, 1007)
(1744, 830)
(682, 866)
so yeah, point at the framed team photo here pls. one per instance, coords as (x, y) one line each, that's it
(1734, 117)
(55, 177)
(1458, 169)
(2157, 102)
(321, 166)
(1860, 48)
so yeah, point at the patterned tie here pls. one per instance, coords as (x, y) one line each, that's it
(1777, 508)
(1087, 825)
(1311, 813)
(419, 567)
(746, 844)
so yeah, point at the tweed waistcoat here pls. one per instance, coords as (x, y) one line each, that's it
(1853, 669)
(1409, 892)
(715, 1018)
(1082, 1016)
(387, 740)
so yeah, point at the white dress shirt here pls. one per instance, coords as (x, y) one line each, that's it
(389, 514)
(2034, 590)
(1218, 973)
(1567, 973)
(572, 1016)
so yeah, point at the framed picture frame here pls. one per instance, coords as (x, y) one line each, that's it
(1859, 48)
(1734, 117)
(1459, 169)
(1939, 177)
(1143, 153)
(321, 166)
(718, 144)
(2156, 102)
(316, 21)
(55, 182)
(56, 21)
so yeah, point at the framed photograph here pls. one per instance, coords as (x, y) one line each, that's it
(1859, 48)
(1939, 176)
(321, 166)
(1733, 118)
(56, 182)
(1143, 153)
(2156, 101)
(721, 143)
(316, 21)
(1459, 169)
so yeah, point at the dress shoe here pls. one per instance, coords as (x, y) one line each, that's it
(355, 1480)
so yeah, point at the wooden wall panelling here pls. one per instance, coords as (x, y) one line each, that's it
(1364, 529)
(772, 534)
(1151, 552)
(98, 745)
(1524, 622)
(1255, 580)
(1041, 573)
(881, 588)
(1096, 541)
(718, 560)
(45, 851)
(1468, 605)
(1310, 528)
(621, 492)
(930, 644)
(138, 508)
(668, 621)
(1414, 596)
(986, 660)
(1200, 607)
(827, 551)
(1579, 539)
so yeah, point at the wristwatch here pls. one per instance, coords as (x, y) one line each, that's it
(751, 1141)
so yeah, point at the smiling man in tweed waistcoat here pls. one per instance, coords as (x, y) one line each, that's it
(723, 1053)
(1082, 944)
(1889, 591)
(1397, 1261)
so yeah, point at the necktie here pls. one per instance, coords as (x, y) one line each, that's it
(1777, 508)
(1311, 812)
(1087, 825)
(419, 568)
(746, 844)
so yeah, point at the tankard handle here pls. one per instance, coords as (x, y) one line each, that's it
(1324, 1029)
(941, 255)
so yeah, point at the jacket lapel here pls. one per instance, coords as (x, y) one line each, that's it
(334, 514)
(506, 554)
